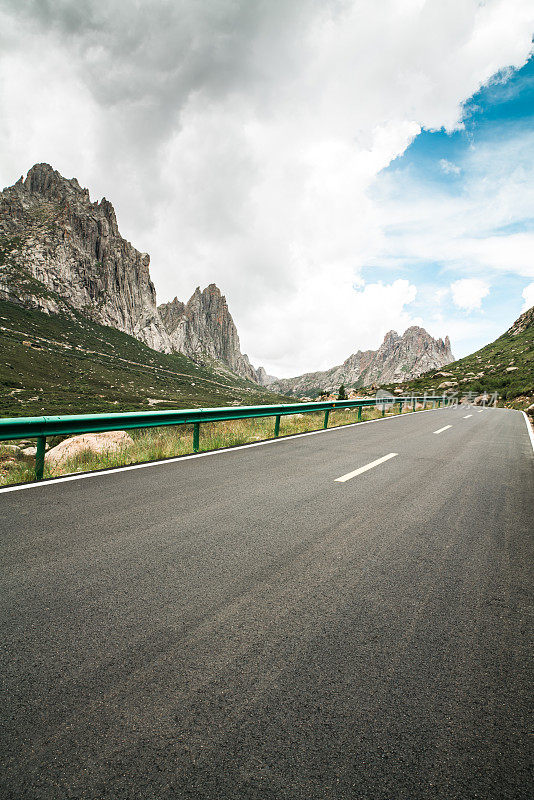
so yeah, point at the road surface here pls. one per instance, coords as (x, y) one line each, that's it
(248, 625)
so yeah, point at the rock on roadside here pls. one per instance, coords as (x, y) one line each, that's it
(109, 442)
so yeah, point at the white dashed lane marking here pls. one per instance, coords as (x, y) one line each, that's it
(443, 429)
(359, 471)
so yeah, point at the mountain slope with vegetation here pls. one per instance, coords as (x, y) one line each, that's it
(57, 364)
(506, 366)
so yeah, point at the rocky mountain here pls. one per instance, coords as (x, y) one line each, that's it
(504, 368)
(59, 252)
(263, 378)
(59, 249)
(397, 359)
(203, 327)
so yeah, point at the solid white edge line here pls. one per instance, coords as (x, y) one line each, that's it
(529, 429)
(114, 471)
(359, 471)
(443, 429)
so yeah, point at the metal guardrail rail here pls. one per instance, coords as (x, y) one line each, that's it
(41, 427)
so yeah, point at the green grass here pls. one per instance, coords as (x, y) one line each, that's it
(53, 364)
(153, 444)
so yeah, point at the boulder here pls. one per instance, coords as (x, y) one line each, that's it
(110, 441)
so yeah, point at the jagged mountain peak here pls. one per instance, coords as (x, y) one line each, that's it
(171, 314)
(44, 183)
(64, 252)
(44, 180)
(211, 294)
(415, 330)
(397, 358)
(203, 327)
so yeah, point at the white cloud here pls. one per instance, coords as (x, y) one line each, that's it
(528, 296)
(440, 295)
(334, 323)
(468, 293)
(448, 167)
(238, 141)
(467, 230)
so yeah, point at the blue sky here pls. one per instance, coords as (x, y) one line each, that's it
(459, 206)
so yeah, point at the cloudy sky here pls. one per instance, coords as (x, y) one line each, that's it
(338, 167)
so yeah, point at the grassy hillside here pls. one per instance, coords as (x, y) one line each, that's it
(505, 366)
(52, 364)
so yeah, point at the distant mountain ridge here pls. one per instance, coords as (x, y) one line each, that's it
(504, 367)
(397, 359)
(59, 251)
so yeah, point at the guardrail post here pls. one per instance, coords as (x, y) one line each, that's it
(277, 425)
(400, 407)
(326, 415)
(383, 409)
(196, 437)
(39, 458)
(359, 413)
(413, 404)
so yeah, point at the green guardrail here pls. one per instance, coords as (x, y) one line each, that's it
(41, 427)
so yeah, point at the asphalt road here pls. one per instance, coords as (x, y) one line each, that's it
(243, 625)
